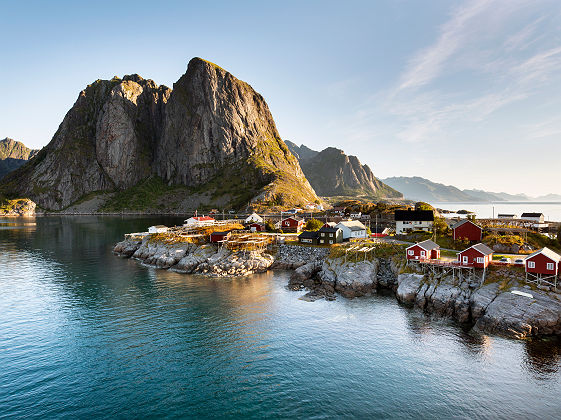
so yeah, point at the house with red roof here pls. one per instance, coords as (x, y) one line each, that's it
(197, 221)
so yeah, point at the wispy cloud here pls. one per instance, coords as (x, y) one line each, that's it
(428, 63)
(490, 70)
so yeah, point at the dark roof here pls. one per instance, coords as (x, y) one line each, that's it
(531, 214)
(463, 222)
(308, 235)
(414, 216)
(427, 245)
(378, 229)
(221, 233)
(297, 218)
(329, 229)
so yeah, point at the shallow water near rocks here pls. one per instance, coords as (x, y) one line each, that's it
(84, 333)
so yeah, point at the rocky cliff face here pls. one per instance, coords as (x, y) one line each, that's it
(13, 154)
(333, 173)
(213, 130)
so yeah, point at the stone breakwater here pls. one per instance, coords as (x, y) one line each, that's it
(290, 257)
(190, 258)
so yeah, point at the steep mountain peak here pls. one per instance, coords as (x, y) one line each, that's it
(331, 172)
(13, 154)
(213, 132)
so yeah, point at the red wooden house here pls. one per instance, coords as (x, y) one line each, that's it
(219, 236)
(256, 227)
(466, 229)
(423, 251)
(478, 256)
(292, 224)
(543, 263)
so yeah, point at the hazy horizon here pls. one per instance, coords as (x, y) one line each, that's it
(458, 92)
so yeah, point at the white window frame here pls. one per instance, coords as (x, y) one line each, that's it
(423, 253)
(531, 264)
(410, 252)
(480, 260)
(550, 266)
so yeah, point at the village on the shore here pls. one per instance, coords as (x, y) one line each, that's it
(459, 246)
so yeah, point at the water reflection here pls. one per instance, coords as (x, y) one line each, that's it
(543, 357)
(138, 338)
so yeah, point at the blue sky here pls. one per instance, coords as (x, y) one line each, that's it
(461, 92)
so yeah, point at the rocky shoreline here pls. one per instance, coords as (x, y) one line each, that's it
(191, 258)
(489, 308)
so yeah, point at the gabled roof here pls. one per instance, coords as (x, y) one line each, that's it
(481, 248)
(308, 235)
(357, 228)
(297, 218)
(427, 245)
(414, 216)
(352, 223)
(329, 229)
(531, 215)
(378, 229)
(159, 226)
(463, 222)
(548, 253)
(330, 224)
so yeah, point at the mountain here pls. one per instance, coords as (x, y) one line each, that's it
(421, 189)
(301, 152)
(332, 173)
(211, 140)
(549, 197)
(13, 154)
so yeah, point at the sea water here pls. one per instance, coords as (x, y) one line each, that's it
(86, 334)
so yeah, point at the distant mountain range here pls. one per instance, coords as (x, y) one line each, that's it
(333, 173)
(13, 154)
(422, 189)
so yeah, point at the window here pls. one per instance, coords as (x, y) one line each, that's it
(480, 260)
(531, 264)
(330, 242)
(321, 241)
(322, 234)
(423, 253)
(550, 266)
(410, 252)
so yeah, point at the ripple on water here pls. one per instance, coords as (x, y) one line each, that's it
(84, 333)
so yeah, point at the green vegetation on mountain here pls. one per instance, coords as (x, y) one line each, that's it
(212, 137)
(13, 154)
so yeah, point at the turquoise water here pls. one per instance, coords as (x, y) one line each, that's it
(86, 334)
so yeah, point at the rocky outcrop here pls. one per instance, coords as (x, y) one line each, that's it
(13, 154)
(191, 258)
(17, 208)
(333, 173)
(488, 308)
(212, 132)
